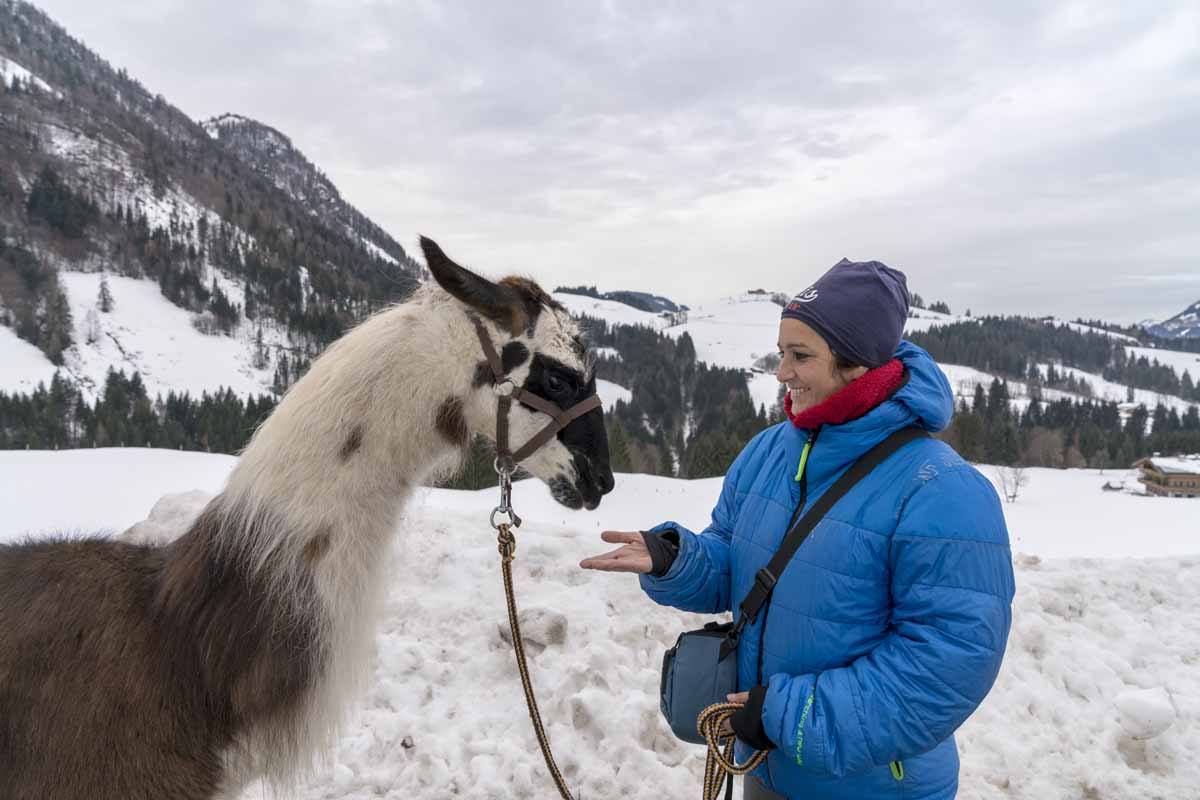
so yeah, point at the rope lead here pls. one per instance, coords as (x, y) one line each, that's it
(508, 546)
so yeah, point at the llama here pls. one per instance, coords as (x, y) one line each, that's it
(185, 671)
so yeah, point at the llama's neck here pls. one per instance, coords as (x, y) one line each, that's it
(314, 500)
(352, 438)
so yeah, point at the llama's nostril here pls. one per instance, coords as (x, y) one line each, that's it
(606, 480)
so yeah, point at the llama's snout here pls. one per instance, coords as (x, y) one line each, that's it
(584, 488)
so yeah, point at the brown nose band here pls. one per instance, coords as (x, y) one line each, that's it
(507, 391)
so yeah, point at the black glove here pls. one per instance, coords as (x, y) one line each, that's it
(747, 721)
(663, 547)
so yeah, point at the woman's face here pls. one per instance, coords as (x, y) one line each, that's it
(806, 365)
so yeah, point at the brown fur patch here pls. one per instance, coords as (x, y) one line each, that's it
(316, 548)
(352, 444)
(450, 422)
(533, 299)
(126, 671)
(531, 291)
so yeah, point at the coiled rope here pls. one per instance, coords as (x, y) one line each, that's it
(719, 764)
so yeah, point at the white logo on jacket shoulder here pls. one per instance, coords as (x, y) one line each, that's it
(807, 296)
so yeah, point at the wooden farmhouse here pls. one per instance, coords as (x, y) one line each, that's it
(1170, 477)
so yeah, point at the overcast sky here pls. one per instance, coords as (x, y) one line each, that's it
(1028, 157)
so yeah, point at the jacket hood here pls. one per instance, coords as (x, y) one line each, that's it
(927, 397)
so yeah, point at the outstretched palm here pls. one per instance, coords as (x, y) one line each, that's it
(632, 556)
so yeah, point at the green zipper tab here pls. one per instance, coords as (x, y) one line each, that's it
(804, 458)
(898, 770)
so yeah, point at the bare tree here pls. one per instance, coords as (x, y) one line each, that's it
(1011, 481)
(91, 326)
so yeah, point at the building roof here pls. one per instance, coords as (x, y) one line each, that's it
(1174, 465)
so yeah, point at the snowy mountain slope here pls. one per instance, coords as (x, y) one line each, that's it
(922, 319)
(147, 334)
(1099, 695)
(12, 73)
(608, 310)
(963, 381)
(1081, 328)
(611, 392)
(1177, 360)
(732, 332)
(272, 154)
(1184, 324)
(736, 332)
(1117, 392)
(22, 366)
(155, 194)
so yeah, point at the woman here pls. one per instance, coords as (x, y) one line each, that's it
(888, 627)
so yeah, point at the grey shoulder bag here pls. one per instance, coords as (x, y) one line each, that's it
(698, 672)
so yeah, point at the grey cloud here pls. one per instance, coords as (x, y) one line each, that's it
(695, 151)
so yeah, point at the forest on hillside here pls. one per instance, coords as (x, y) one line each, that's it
(684, 418)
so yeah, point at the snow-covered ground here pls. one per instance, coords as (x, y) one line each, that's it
(1099, 696)
(1081, 328)
(22, 366)
(11, 71)
(609, 310)
(732, 332)
(922, 319)
(1177, 360)
(1107, 390)
(611, 392)
(146, 333)
(963, 381)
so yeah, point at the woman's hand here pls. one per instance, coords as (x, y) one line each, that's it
(632, 556)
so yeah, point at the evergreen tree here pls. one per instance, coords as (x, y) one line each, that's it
(105, 299)
(618, 448)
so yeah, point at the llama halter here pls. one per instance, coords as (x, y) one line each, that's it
(506, 462)
(506, 392)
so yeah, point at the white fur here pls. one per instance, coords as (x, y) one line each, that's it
(389, 376)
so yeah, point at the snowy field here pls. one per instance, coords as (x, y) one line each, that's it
(1177, 360)
(150, 335)
(1099, 696)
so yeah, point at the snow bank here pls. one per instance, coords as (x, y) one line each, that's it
(1099, 696)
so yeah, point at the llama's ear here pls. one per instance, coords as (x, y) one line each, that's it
(497, 302)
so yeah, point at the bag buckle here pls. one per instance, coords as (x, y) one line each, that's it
(766, 579)
(764, 582)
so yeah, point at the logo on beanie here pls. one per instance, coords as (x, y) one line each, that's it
(807, 296)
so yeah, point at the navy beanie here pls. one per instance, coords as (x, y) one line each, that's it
(858, 308)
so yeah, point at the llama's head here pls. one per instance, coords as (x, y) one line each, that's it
(541, 351)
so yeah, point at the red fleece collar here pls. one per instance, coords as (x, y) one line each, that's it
(851, 402)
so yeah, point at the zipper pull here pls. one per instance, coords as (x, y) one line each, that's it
(812, 436)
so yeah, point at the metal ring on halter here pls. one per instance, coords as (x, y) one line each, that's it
(506, 468)
(513, 520)
(504, 387)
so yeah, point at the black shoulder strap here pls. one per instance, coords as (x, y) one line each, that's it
(764, 581)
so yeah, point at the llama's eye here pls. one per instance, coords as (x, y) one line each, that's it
(555, 384)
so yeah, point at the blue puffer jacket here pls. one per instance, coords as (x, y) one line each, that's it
(888, 627)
